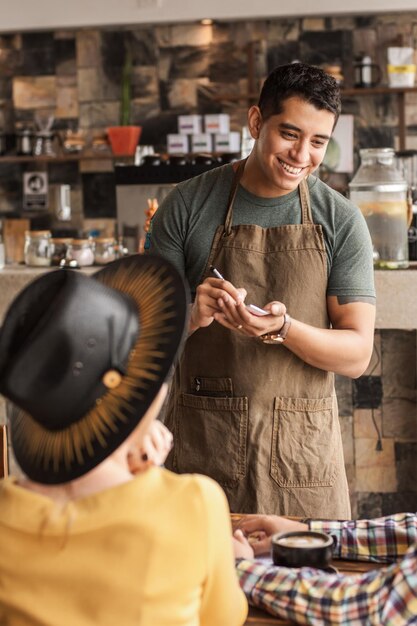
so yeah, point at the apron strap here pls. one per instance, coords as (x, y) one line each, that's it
(229, 215)
(306, 214)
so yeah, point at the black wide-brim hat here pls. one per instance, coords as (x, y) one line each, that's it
(82, 359)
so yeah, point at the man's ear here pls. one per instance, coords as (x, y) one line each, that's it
(254, 121)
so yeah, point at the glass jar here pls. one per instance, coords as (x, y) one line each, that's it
(105, 250)
(38, 248)
(60, 247)
(82, 251)
(381, 193)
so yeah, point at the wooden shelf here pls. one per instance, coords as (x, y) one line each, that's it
(375, 91)
(12, 158)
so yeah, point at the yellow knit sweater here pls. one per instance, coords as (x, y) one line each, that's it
(155, 551)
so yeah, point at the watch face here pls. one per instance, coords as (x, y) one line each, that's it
(271, 338)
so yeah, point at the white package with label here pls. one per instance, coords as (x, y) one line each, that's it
(201, 143)
(229, 142)
(190, 124)
(177, 144)
(217, 123)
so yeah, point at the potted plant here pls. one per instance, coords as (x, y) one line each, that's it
(125, 137)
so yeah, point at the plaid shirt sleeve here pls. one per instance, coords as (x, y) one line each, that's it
(307, 596)
(381, 540)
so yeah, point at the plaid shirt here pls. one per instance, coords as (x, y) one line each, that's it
(386, 596)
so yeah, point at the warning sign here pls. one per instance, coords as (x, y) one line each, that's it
(35, 190)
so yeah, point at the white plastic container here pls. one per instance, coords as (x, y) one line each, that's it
(217, 123)
(190, 124)
(227, 142)
(178, 144)
(202, 143)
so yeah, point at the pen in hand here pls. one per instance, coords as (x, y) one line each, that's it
(216, 272)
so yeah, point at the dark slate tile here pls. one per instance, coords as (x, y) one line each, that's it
(406, 464)
(155, 129)
(99, 195)
(37, 40)
(344, 395)
(38, 62)
(317, 47)
(64, 123)
(63, 173)
(227, 63)
(10, 63)
(65, 56)
(280, 54)
(376, 137)
(11, 174)
(113, 49)
(369, 505)
(5, 88)
(364, 21)
(186, 61)
(367, 392)
(404, 501)
(205, 101)
(144, 47)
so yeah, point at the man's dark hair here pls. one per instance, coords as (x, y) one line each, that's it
(300, 80)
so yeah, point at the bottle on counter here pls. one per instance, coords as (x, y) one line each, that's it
(106, 250)
(60, 247)
(82, 251)
(38, 248)
(381, 193)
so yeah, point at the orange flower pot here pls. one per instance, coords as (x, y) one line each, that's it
(124, 139)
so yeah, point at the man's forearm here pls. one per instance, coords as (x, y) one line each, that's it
(308, 596)
(345, 352)
(381, 540)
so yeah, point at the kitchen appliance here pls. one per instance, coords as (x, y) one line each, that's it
(367, 74)
(380, 191)
(407, 164)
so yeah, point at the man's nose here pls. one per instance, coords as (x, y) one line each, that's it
(299, 151)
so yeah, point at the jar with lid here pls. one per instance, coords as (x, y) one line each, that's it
(38, 248)
(59, 249)
(82, 251)
(105, 250)
(381, 193)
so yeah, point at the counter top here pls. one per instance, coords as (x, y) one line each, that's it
(396, 292)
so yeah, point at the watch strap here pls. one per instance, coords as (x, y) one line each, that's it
(280, 335)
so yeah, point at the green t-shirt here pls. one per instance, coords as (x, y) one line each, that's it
(183, 228)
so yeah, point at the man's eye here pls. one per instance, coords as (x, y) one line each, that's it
(289, 135)
(319, 144)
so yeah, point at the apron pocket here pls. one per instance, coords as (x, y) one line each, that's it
(211, 437)
(305, 449)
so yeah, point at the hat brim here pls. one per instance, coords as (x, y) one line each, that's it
(162, 299)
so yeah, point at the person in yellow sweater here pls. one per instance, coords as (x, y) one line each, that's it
(83, 541)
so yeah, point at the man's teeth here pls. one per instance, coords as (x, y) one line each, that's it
(291, 170)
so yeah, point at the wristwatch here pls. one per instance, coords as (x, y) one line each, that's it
(280, 335)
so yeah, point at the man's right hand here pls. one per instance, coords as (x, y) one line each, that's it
(206, 302)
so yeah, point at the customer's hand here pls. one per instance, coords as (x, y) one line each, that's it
(241, 546)
(262, 527)
(155, 448)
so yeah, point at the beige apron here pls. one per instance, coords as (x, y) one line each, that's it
(253, 416)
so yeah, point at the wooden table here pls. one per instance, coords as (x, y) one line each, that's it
(257, 617)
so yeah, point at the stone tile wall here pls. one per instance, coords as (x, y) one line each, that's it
(378, 415)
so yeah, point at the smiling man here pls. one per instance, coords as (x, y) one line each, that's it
(253, 402)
